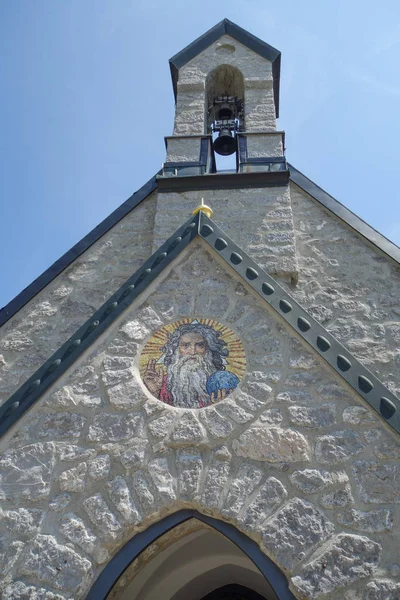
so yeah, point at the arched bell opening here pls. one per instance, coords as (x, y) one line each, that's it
(224, 80)
(188, 556)
(224, 113)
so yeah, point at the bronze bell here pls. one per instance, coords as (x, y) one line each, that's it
(225, 144)
(225, 111)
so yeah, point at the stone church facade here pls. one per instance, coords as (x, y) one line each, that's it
(284, 479)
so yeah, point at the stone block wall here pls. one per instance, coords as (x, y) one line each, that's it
(52, 316)
(183, 149)
(265, 145)
(259, 220)
(293, 458)
(259, 106)
(189, 109)
(349, 287)
(258, 92)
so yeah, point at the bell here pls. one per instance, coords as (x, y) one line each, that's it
(225, 112)
(225, 144)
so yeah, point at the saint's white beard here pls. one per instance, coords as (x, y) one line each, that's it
(187, 377)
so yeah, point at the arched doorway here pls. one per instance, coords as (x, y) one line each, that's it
(233, 592)
(187, 556)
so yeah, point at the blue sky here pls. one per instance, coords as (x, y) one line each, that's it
(86, 100)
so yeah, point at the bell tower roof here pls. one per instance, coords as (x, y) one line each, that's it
(226, 27)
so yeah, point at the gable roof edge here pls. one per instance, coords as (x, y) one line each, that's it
(307, 185)
(337, 356)
(10, 309)
(339, 210)
(98, 322)
(227, 27)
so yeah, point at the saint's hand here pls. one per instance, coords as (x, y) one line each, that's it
(153, 378)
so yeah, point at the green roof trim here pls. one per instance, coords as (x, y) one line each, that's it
(358, 377)
(73, 253)
(312, 189)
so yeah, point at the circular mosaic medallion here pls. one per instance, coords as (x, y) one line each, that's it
(192, 363)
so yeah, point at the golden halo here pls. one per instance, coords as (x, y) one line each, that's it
(235, 361)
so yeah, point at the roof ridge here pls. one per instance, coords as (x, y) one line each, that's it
(227, 27)
(85, 335)
(354, 373)
(334, 206)
(363, 381)
(10, 309)
(345, 214)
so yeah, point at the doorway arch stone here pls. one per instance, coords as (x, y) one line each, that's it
(137, 544)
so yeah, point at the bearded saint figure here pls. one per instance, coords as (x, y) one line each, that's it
(195, 359)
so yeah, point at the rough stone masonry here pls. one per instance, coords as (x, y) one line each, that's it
(292, 458)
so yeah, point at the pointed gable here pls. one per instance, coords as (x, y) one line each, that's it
(283, 456)
(320, 340)
(244, 367)
(226, 27)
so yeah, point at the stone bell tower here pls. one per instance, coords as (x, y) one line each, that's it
(231, 71)
(226, 86)
(200, 400)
